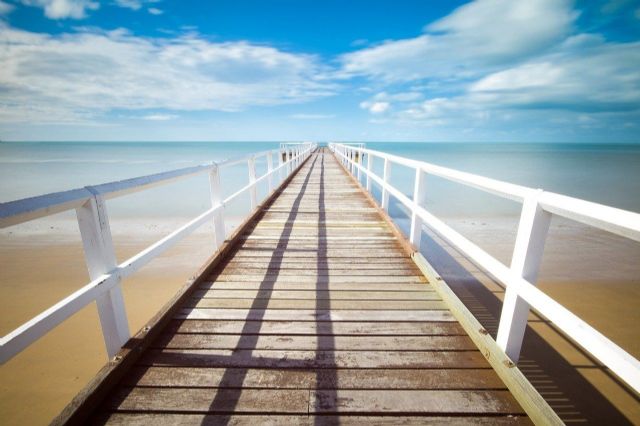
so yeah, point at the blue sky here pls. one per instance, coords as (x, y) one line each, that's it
(485, 70)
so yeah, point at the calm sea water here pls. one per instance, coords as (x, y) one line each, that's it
(608, 174)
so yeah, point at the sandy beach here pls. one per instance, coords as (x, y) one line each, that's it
(42, 262)
(40, 266)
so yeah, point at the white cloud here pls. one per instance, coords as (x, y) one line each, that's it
(159, 117)
(398, 97)
(155, 11)
(375, 107)
(476, 37)
(138, 4)
(598, 76)
(129, 4)
(89, 73)
(311, 116)
(5, 8)
(63, 9)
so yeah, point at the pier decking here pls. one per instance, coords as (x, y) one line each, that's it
(315, 314)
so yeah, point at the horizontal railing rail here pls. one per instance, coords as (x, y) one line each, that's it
(520, 277)
(104, 272)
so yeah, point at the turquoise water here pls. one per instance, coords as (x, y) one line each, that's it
(608, 174)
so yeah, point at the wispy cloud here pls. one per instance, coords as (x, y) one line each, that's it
(155, 11)
(64, 9)
(479, 36)
(377, 107)
(159, 117)
(93, 72)
(134, 4)
(489, 61)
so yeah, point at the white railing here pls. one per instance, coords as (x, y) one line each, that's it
(106, 275)
(520, 277)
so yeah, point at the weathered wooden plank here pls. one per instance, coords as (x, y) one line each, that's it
(319, 267)
(319, 234)
(209, 400)
(291, 342)
(313, 285)
(388, 247)
(313, 315)
(311, 328)
(289, 401)
(292, 256)
(139, 419)
(345, 239)
(259, 358)
(314, 294)
(410, 279)
(378, 305)
(321, 272)
(413, 401)
(313, 379)
(319, 263)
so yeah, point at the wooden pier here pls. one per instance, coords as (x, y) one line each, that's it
(317, 308)
(313, 312)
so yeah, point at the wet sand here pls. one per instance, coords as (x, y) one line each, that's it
(41, 265)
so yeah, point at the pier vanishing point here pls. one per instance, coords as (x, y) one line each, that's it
(318, 309)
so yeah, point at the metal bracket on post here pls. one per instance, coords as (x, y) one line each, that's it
(419, 198)
(253, 192)
(385, 177)
(101, 258)
(269, 170)
(216, 200)
(526, 260)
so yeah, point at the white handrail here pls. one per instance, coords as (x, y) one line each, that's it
(520, 277)
(104, 287)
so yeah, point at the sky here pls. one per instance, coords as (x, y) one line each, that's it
(286, 70)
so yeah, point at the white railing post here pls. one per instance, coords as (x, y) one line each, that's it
(216, 200)
(526, 260)
(100, 258)
(288, 160)
(253, 192)
(385, 178)
(419, 197)
(359, 154)
(280, 163)
(369, 165)
(269, 170)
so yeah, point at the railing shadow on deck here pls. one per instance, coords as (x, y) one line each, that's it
(231, 384)
(230, 387)
(227, 400)
(571, 396)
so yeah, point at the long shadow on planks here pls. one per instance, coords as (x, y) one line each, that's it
(326, 341)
